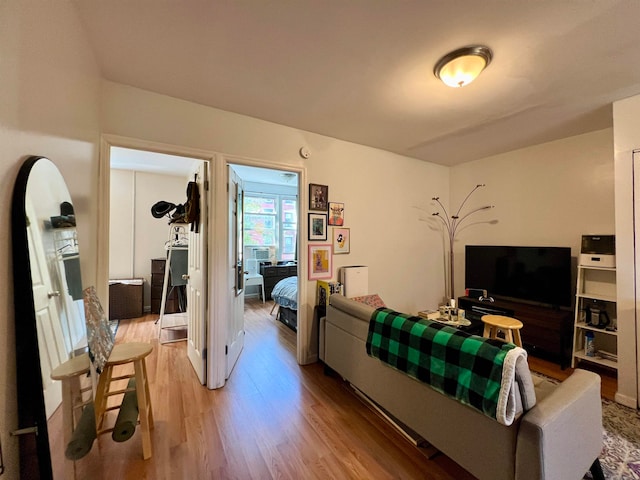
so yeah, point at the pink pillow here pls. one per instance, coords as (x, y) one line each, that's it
(372, 300)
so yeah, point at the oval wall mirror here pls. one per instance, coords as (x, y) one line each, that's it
(49, 313)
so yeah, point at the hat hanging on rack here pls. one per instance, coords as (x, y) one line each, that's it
(162, 208)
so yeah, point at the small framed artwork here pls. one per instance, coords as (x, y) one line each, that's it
(320, 262)
(341, 240)
(318, 197)
(336, 214)
(317, 226)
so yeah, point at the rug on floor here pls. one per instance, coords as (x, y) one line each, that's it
(113, 325)
(620, 457)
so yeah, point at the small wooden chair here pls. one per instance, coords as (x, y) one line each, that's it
(510, 327)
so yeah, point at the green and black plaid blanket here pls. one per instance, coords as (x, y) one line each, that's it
(466, 367)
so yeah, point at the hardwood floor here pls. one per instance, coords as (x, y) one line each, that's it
(273, 419)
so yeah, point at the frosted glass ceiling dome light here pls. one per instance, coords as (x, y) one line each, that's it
(462, 66)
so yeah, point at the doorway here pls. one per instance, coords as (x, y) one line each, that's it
(270, 237)
(144, 239)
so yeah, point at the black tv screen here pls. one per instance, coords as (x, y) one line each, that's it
(536, 274)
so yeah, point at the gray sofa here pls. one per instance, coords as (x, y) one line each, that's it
(560, 438)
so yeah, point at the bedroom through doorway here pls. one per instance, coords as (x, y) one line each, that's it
(270, 229)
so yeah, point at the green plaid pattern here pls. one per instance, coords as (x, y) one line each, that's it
(459, 365)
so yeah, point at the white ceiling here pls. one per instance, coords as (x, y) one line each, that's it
(143, 161)
(361, 70)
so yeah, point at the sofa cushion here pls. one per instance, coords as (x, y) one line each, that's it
(543, 387)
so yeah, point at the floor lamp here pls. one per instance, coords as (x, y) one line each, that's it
(452, 223)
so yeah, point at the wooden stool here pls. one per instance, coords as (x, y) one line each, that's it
(507, 325)
(70, 373)
(122, 354)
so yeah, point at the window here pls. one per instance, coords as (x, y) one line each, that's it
(271, 221)
(288, 227)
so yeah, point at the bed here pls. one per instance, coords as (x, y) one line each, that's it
(285, 296)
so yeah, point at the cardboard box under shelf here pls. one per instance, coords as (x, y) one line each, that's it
(126, 298)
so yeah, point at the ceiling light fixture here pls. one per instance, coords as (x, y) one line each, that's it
(462, 66)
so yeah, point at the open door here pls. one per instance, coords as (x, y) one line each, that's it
(197, 281)
(235, 327)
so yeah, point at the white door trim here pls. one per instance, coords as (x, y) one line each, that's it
(104, 183)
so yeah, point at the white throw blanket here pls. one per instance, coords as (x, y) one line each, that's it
(516, 380)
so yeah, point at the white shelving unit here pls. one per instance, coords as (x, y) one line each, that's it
(596, 288)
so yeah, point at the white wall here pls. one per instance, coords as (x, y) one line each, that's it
(135, 236)
(121, 223)
(547, 195)
(380, 190)
(49, 104)
(626, 138)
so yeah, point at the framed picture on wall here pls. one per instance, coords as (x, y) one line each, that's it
(341, 240)
(320, 262)
(336, 214)
(318, 226)
(318, 197)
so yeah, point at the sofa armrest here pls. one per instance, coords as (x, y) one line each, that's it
(351, 307)
(562, 435)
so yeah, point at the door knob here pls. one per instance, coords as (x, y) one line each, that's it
(185, 277)
(53, 294)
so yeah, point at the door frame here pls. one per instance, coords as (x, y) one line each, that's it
(108, 141)
(221, 224)
(216, 229)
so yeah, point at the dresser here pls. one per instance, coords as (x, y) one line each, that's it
(272, 274)
(157, 279)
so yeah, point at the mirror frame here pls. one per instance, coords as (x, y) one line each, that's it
(35, 455)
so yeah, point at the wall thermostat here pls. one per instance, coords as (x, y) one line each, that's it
(304, 152)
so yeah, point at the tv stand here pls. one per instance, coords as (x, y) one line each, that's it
(546, 331)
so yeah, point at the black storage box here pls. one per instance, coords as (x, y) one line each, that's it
(126, 298)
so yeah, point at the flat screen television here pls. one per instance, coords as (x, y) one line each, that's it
(540, 275)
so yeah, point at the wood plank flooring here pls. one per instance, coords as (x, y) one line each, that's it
(273, 419)
(609, 379)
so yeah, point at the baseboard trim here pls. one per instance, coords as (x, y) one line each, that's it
(627, 401)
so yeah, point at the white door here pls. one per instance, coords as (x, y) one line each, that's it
(235, 322)
(197, 282)
(51, 343)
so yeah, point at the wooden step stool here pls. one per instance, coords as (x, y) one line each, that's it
(122, 354)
